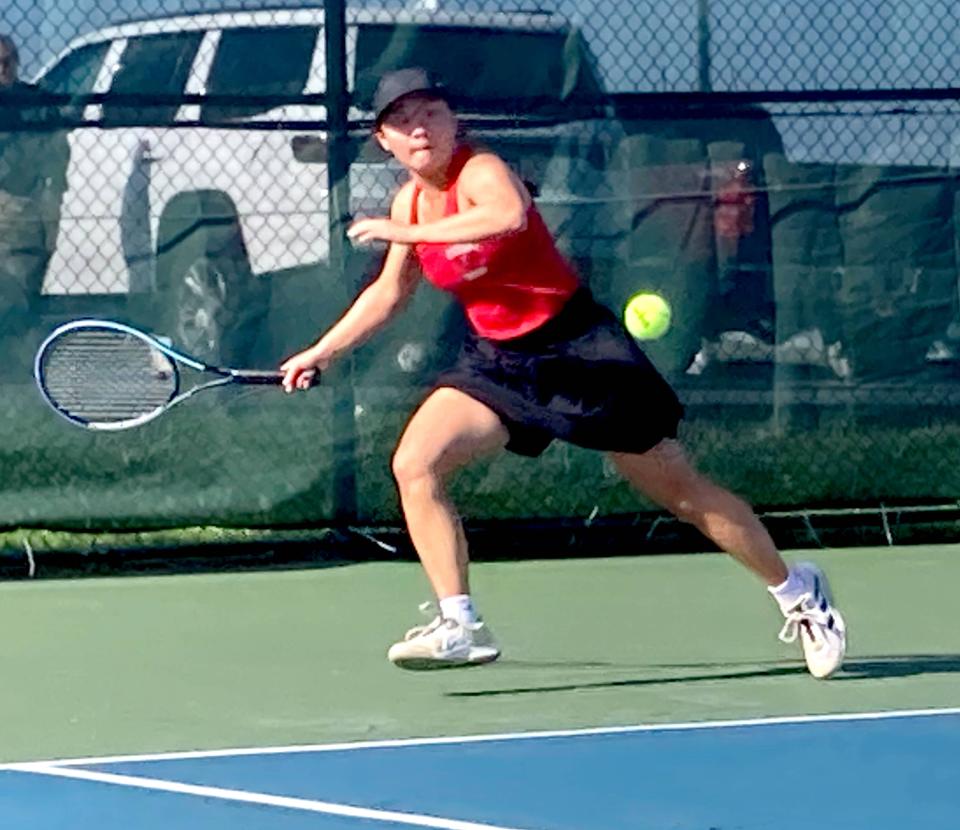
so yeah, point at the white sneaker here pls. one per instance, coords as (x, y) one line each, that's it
(822, 630)
(443, 644)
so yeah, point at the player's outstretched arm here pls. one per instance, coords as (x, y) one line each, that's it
(372, 309)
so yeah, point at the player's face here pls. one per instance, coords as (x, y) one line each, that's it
(421, 133)
(8, 65)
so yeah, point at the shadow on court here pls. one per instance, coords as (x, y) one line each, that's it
(874, 667)
(780, 671)
(903, 665)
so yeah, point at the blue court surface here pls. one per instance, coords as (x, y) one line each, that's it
(871, 771)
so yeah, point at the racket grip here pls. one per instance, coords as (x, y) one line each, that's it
(265, 377)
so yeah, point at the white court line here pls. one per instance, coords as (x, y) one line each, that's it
(505, 736)
(262, 799)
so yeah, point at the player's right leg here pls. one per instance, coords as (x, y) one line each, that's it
(448, 431)
(666, 476)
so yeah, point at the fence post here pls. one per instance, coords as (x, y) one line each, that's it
(703, 46)
(338, 194)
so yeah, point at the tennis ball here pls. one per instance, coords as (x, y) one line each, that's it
(647, 316)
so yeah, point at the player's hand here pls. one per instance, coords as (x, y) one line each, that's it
(301, 370)
(381, 230)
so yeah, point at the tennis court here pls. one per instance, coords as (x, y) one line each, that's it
(780, 181)
(633, 692)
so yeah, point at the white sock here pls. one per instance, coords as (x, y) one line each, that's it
(788, 593)
(459, 607)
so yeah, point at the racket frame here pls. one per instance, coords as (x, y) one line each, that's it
(224, 375)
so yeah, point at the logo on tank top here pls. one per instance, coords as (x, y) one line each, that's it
(469, 257)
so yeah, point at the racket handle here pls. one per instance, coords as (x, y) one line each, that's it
(257, 376)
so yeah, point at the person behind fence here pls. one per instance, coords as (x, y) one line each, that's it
(543, 360)
(33, 160)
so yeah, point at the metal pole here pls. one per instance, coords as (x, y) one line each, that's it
(703, 46)
(338, 192)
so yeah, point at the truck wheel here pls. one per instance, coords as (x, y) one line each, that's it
(210, 302)
(214, 307)
(199, 296)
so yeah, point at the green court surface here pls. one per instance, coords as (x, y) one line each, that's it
(147, 664)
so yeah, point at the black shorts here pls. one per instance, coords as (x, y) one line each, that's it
(580, 377)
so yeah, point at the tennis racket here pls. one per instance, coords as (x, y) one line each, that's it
(104, 375)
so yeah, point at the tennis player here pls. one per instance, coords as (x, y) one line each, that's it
(542, 360)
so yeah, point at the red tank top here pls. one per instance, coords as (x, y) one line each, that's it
(508, 285)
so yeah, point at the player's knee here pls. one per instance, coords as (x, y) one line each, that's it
(689, 502)
(702, 503)
(686, 510)
(411, 468)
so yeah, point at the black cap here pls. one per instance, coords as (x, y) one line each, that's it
(400, 83)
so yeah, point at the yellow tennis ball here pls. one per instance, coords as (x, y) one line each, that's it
(647, 316)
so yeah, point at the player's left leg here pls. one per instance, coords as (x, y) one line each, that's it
(665, 475)
(447, 432)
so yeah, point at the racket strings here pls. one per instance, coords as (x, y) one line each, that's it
(107, 376)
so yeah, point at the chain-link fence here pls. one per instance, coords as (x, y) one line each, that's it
(643, 46)
(784, 174)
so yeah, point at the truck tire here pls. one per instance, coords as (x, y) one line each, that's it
(210, 302)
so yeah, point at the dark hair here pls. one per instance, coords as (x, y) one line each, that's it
(11, 44)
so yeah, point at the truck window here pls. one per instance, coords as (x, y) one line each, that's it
(485, 65)
(152, 65)
(266, 61)
(77, 72)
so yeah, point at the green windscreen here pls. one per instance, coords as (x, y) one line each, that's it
(172, 173)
